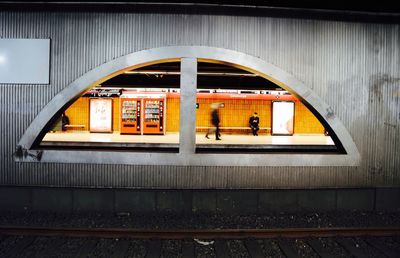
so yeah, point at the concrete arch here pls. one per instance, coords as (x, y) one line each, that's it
(146, 57)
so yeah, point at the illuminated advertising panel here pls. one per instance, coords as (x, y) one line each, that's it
(282, 117)
(101, 115)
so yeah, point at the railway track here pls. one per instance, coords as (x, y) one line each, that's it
(246, 243)
(201, 233)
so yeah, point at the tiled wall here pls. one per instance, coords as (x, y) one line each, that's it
(237, 113)
(234, 113)
(305, 122)
(116, 115)
(78, 113)
(172, 114)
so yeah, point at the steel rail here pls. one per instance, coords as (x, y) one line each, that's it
(201, 233)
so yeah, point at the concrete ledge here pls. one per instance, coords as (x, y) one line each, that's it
(355, 199)
(387, 199)
(204, 201)
(15, 199)
(57, 200)
(244, 201)
(93, 200)
(68, 200)
(135, 201)
(174, 201)
(278, 200)
(317, 200)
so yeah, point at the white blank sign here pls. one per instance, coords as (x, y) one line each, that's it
(25, 61)
(282, 117)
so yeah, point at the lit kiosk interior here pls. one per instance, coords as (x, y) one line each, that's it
(142, 113)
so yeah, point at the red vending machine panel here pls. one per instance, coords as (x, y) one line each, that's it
(154, 112)
(130, 116)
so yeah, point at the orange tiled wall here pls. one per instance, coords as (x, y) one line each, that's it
(235, 113)
(78, 113)
(305, 122)
(116, 115)
(172, 115)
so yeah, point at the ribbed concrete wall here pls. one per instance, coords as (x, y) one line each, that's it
(353, 67)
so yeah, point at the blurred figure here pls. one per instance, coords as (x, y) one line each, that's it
(215, 121)
(57, 126)
(254, 121)
(64, 121)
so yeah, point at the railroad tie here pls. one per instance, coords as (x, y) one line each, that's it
(2, 237)
(319, 248)
(253, 248)
(154, 249)
(221, 249)
(51, 245)
(382, 248)
(121, 248)
(87, 248)
(287, 249)
(19, 247)
(348, 245)
(188, 250)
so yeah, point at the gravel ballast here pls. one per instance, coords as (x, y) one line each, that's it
(202, 221)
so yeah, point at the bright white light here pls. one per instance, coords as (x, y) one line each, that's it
(282, 117)
(2, 59)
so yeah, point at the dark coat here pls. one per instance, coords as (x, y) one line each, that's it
(215, 117)
(254, 121)
(65, 120)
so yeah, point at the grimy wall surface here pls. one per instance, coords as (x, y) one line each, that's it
(353, 67)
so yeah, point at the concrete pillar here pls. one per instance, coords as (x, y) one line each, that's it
(187, 136)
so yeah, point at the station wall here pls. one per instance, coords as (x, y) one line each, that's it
(354, 67)
(235, 113)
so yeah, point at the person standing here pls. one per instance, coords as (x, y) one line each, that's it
(254, 121)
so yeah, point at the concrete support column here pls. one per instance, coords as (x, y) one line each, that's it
(187, 136)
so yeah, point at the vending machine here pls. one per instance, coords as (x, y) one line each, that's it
(153, 115)
(130, 115)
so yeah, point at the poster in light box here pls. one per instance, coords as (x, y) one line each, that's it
(282, 117)
(101, 115)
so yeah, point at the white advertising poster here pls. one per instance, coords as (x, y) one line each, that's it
(282, 117)
(101, 115)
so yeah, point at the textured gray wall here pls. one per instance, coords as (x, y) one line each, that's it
(353, 67)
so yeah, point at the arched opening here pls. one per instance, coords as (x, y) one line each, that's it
(136, 110)
(249, 105)
(344, 151)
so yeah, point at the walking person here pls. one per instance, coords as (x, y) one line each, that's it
(215, 121)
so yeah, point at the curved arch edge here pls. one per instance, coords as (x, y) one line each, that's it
(119, 65)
